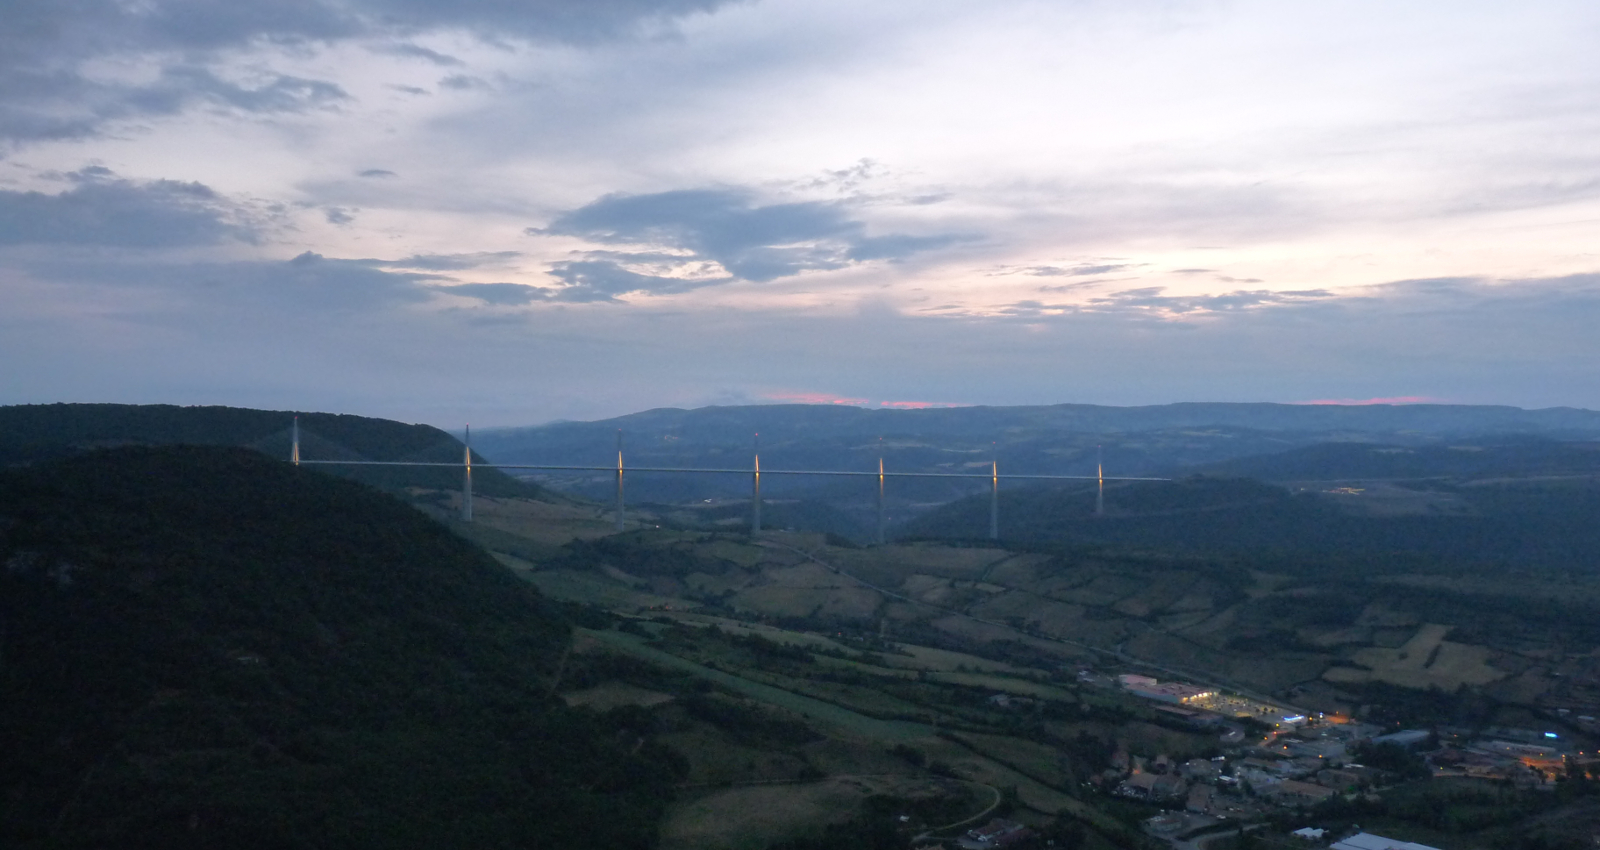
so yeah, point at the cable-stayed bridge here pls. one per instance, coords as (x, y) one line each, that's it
(621, 470)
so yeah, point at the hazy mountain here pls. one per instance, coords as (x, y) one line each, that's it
(1504, 457)
(1065, 439)
(733, 427)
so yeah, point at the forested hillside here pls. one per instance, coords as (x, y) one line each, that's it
(35, 432)
(205, 647)
(1440, 527)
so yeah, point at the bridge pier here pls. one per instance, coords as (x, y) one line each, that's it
(994, 501)
(1100, 476)
(881, 535)
(466, 477)
(619, 506)
(755, 490)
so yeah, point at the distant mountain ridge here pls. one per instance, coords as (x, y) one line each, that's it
(1503, 499)
(784, 421)
(1063, 439)
(1513, 457)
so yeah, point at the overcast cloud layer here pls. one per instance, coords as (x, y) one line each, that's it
(513, 212)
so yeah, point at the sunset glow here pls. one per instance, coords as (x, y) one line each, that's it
(498, 212)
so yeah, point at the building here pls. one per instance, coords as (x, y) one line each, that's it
(1153, 786)
(1202, 770)
(1340, 780)
(1404, 738)
(1190, 717)
(1368, 841)
(1293, 792)
(1277, 768)
(1332, 751)
(1166, 823)
(1173, 692)
(996, 833)
(1256, 779)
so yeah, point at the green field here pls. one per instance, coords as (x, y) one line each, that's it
(842, 719)
(594, 589)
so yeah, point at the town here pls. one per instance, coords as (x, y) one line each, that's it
(1290, 763)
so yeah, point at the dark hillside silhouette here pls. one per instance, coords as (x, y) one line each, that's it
(205, 647)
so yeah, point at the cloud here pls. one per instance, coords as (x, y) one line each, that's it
(500, 294)
(725, 227)
(205, 25)
(845, 180)
(419, 52)
(1080, 270)
(103, 209)
(1151, 300)
(604, 280)
(38, 102)
(542, 20)
(1068, 287)
(277, 93)
(306, 288)
(1033, 309)
(377, 173)
(339, 334)
(900, 246)
(1075, 271)
(338, 215)
(448, 262)
(47, 47)
(462, 82)
(312, 282)
(815, 398)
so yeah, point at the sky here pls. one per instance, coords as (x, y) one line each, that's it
(507, 212)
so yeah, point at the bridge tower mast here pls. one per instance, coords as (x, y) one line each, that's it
(994, 497)
(881, 536)
(619, 508)
(466, 476)
(755, 491)
(1100, 476)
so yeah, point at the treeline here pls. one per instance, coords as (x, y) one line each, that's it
(40, 432)
(1541, 525)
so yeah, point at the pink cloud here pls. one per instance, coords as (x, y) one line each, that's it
(816, 398)
(1399, 399)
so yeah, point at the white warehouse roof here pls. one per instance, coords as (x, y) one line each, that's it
(1368, 841)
